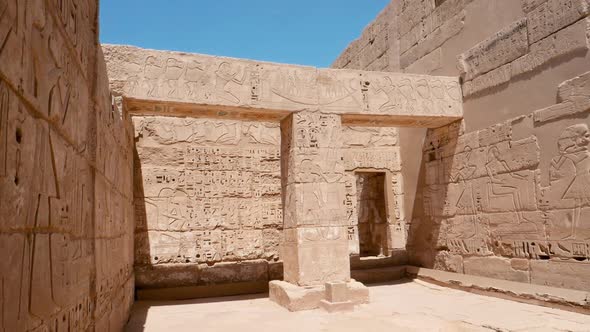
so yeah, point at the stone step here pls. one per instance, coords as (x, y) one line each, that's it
(379, 275)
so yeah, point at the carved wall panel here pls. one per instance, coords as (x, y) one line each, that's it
(65, 206)
(489, 193)
(374, 149)
(206, 191)
(226, 83)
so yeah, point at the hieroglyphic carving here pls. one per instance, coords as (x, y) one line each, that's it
(525, 198)
(570, 174)
(373, 149)
(212, 190)
(216, 81)
(49, 183)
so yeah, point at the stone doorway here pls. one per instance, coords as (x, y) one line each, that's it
(372, 213)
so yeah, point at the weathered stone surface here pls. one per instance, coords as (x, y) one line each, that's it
(574, 38)
(434, 40)
(491, 79)
(494, 267)
(427, 64)
(336, 306)
(505, 46)
(508, 194)
(412, 12)
(441, 14)
(227, 85)
(65, 201)
(522, 292)
(529, 5)
(560, 274)
(297, 298)
(554, 15)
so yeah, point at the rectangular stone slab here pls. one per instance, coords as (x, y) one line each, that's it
(191, 84)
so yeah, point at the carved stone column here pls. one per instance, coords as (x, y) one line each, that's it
(315, 245)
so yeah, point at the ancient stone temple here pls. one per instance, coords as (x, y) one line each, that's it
(243, 164)
(449, 142)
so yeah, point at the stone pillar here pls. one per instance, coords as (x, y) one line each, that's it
(315, 245)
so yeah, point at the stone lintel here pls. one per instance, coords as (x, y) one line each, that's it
(182, 84)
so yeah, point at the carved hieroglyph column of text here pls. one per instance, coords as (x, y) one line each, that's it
(315, 246)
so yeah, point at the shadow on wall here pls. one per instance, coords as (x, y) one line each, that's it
(207, 205)
(511, 201)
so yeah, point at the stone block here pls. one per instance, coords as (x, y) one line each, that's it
(168, 275)
(295, 298)
(178, 83)
(561, 110)
(560, 274)
(336, 292)
(427, 64)
(503, 47)
(358, 293)
(437, 38)
(332, 307)
(412, 12)
(491, 79)
(529, 5)
(554, 15)
(375, 49)
(377, 158)
(313, 256)
(231, 272)
(573, 95)
(520, 264)
(575, 88)
(494, 267)
(380, 64)
(574, 38)
(314, 204)
(379, 275)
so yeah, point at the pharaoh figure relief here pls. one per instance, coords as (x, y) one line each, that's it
(571, 170)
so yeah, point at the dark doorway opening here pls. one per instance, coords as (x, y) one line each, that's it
(372, 215)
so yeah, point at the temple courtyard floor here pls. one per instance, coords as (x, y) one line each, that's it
(403, 306)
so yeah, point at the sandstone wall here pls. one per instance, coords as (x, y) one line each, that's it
(499, 193)
(208, 197)
(65, 174)
(207, 201)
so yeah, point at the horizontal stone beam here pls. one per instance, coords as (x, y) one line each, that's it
(182, 84)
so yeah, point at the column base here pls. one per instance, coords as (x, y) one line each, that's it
(336, 306)
(297, 298)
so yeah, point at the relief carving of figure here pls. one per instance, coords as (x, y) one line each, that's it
(195, 76)
(225, 75)
(464, 171)
(505, 182)
(394, 97)
(152, 71)
(574, 155)
(174, 69)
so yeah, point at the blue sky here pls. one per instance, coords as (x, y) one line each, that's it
(308, 32)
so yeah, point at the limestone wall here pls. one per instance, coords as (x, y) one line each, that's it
(65, 174)
(499, 193)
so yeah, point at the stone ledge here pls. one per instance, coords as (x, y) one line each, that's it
(561, 298)
(203, 291)
(379, 275)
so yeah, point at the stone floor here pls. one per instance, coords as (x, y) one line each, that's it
(404, 306)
